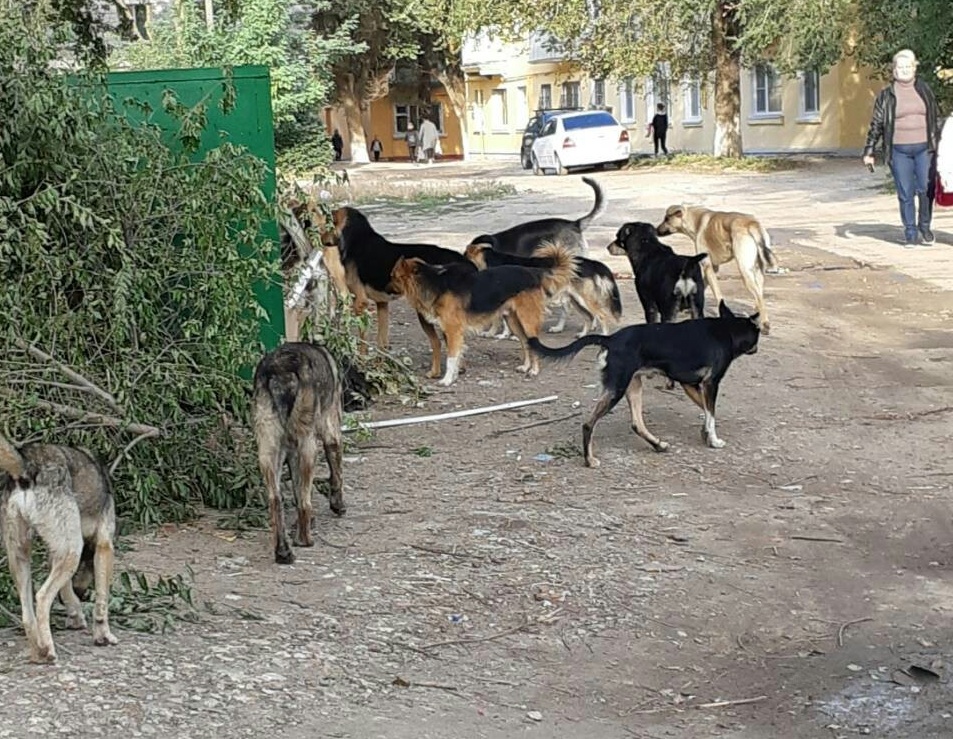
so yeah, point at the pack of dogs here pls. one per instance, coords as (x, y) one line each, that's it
(509, 280)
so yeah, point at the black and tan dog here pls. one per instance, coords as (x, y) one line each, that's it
(696, 354)
(666, 283)
(460, 299)
(62, 495)
(593, 291)
(725, 236)
(527, 238)
(296, 406)
(368, 259)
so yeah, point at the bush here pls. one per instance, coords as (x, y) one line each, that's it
(128, 267)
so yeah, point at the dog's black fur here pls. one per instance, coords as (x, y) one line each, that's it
(526, 238)
(373, 256)
(667, 283)
(695, 354)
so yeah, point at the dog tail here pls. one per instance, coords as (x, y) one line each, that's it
(598, 208)
(605, 283)
(690, 280)
(11, 461)
(570, 350)
(557, 277)
(766, 258)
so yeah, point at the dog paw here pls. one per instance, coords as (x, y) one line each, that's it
(715, 443)
(284, 557)
(77, 622)
(446, 381)
(555, 329)
(43, 654)
(662, 446)
(305, 542)
(592, 462)
(105, 638)
(433, 374)
(338, 508)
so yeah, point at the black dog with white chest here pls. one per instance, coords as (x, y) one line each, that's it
(695, 354)
(667, 283)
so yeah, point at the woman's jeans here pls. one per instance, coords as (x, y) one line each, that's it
(910, 165)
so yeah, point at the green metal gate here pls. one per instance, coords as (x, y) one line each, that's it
(248, 123)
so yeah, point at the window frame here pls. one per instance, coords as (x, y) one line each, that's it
(772, 88)
(411, 112)
(805, 114)
(692, 101)
(503, 124)
(627, 101)
(545, 96)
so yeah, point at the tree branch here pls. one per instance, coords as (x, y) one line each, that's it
(99, 419)
(68, 371)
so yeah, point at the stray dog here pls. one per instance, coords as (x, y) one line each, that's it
(368, 260)
(296, 405)
(593, 291)
(62, 494)
(667, 283)
(695, 354)
(526, 239)
(459, 299)
(726, 236)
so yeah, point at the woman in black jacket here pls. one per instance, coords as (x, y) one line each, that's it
(906, 119)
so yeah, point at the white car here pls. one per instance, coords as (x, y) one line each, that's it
(584, 139)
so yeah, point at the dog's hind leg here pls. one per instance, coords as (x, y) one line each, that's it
(754, 282)
(103, 567)
(62, 532)
(330, 434)
(606, 403)
(74, 609)
(704, 395)
(710, 271)
(434, 339)
(270, 460)
(560, 304)
(302, 477)
(634, 395)
(17, 539)
(383, 324)
(455, 345)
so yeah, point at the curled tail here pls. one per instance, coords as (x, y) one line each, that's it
(604, 281)
(568, 351)
(690, 281)
(11, 461)
(766, 258)
(598, 208)
(563, 270)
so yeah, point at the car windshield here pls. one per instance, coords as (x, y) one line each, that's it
(589, 120)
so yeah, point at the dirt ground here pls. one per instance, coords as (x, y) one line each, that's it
(484, 583)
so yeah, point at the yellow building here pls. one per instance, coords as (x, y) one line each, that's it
(505, 83)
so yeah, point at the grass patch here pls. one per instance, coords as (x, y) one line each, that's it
(708, 163)
(422, 194)
(134, 603)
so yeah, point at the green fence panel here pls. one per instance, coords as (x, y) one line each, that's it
(248, 123)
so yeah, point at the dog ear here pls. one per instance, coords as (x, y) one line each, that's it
(724, 311)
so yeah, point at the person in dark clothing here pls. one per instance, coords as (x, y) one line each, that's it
(658, 128)
(906, 119)
(338, 143)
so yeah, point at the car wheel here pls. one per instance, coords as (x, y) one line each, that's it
(560, 169)
(536, 168)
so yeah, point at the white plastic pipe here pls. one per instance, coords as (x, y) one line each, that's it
(452, 414)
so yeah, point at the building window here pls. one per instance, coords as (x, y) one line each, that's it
(767, 90)
(627, 101)
(569, 95)
(404, 114)
(545, 97)
(693, 101)
(598, 93)
(810, 94)
(522, 100)
(499, 115)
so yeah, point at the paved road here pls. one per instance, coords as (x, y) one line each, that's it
(830, 204)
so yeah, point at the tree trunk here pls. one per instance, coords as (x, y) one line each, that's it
(457, 93)
(727, 81)
(354, 119)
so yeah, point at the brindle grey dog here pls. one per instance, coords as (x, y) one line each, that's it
(62, 494)
(296, 405)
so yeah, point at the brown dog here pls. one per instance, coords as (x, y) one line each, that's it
(726, 236)
(296, 407)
